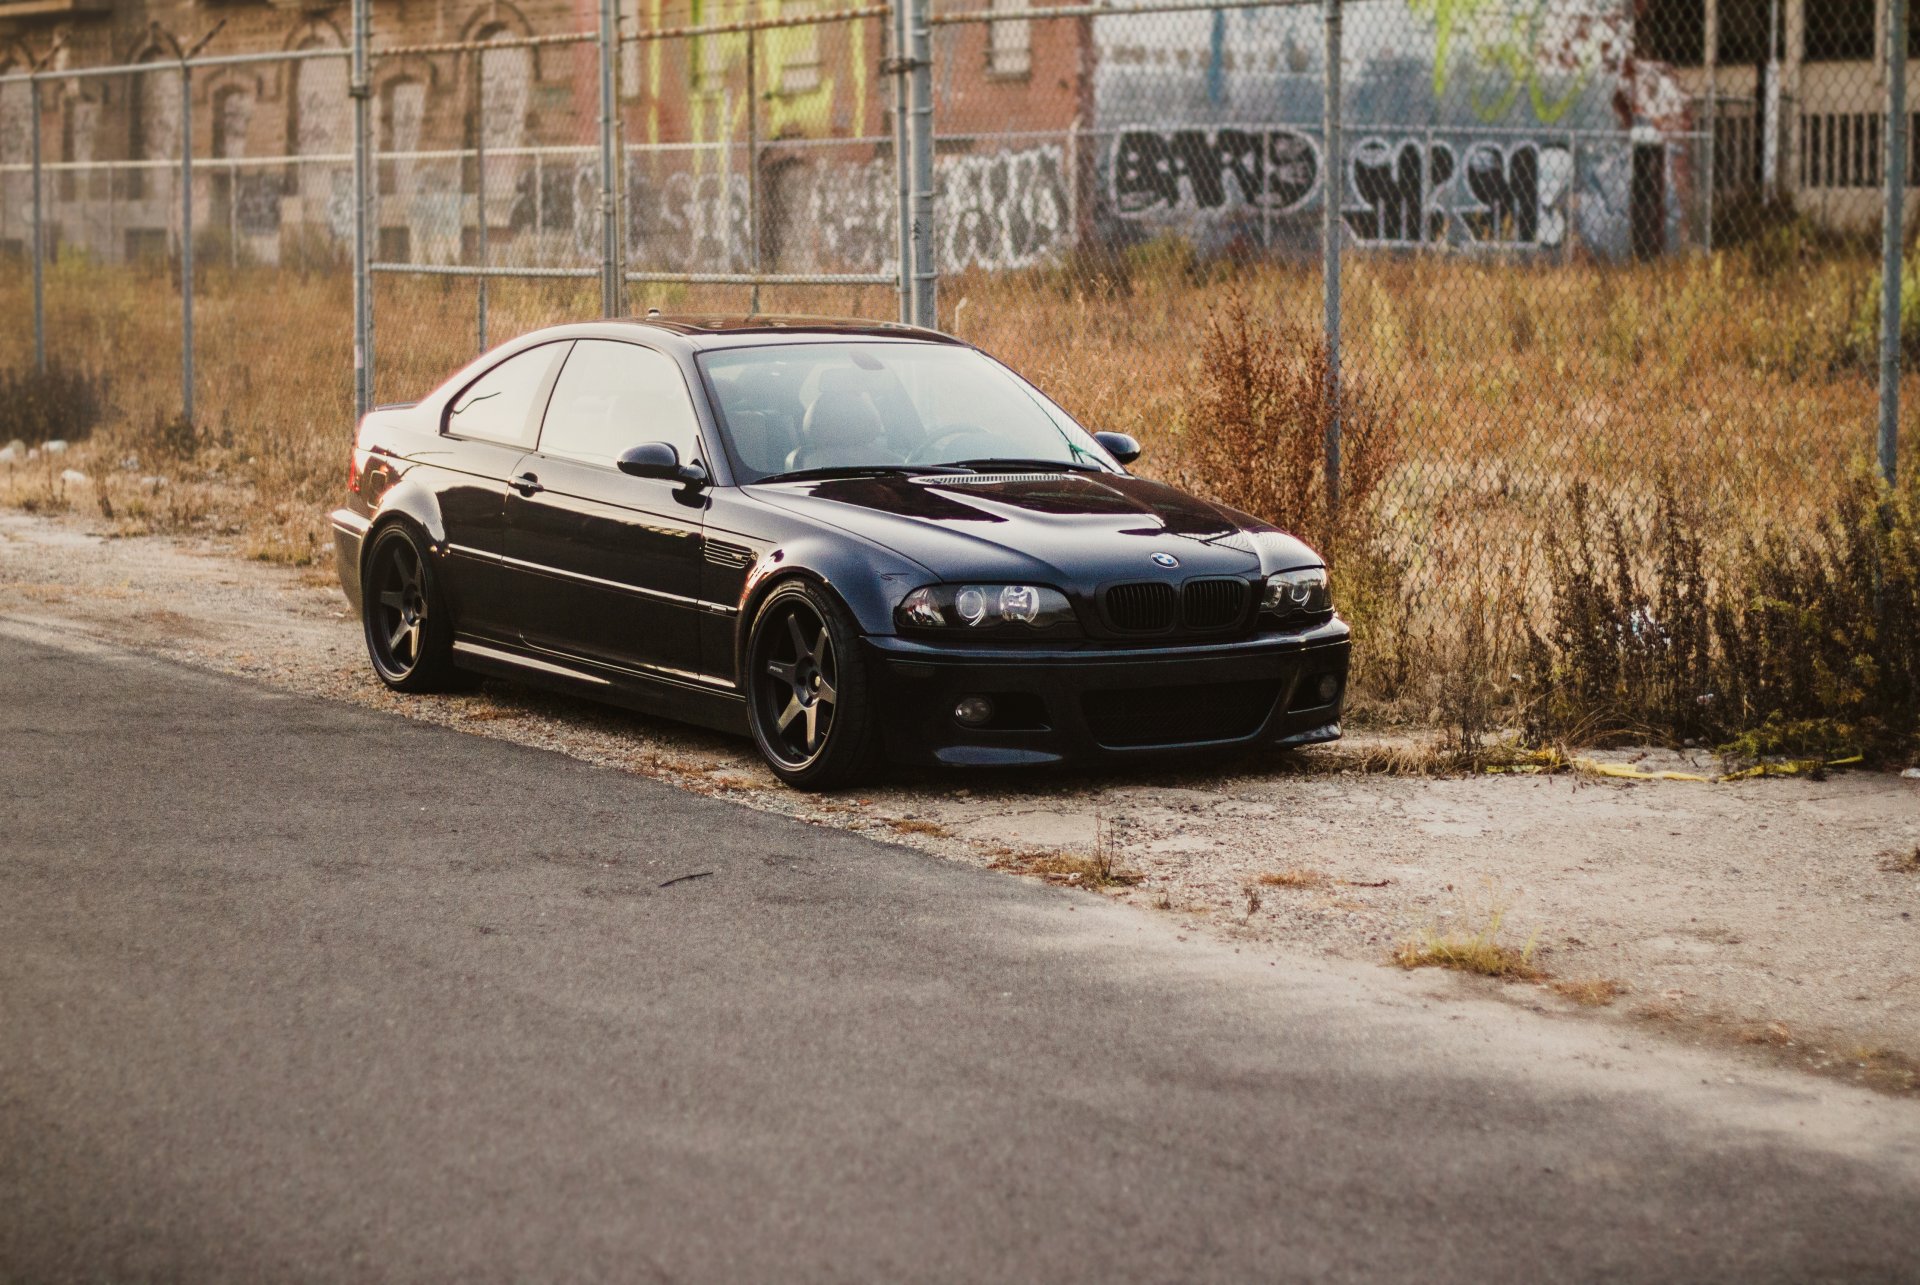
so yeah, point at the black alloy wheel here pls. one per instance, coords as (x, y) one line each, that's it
(409, 637)
(807, 694)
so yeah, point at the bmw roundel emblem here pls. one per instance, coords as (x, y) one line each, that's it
(1165, 560)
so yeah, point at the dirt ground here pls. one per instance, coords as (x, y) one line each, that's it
(1777, 913)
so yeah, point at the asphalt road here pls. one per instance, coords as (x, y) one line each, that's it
(291, 990)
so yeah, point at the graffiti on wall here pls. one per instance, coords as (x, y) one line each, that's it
(1002, 209)
(1206, 170)
(1547, 50)
(1005, 209)
(1409, 192)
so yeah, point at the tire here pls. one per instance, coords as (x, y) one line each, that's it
(808, 699)
(404, 615)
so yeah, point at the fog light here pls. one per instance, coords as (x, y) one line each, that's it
(1329, 688)
(974, 711)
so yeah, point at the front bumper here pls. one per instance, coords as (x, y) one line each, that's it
(1065, 705)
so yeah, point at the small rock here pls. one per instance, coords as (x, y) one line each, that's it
(72, 476)
(58, 446)
(130, 462)
(153, 480)
(17, 446)
(8, 455)
(1912, 774)
(33, 452)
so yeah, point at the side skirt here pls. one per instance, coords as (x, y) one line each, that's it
(721, 711)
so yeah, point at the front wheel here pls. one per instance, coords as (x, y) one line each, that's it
(807, 698)
(409, 631)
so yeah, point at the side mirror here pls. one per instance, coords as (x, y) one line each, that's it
(659, 459)
(1119, 445)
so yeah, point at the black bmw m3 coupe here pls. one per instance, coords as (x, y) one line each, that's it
(856, 542)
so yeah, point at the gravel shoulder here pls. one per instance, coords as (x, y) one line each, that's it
(1778, 914)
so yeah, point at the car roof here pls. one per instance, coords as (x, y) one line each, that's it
(718, 330)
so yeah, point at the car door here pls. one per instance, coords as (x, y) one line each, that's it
(606, 567)
(489, 426)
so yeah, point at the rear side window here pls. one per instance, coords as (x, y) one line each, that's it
(612, 397)
(498, 406)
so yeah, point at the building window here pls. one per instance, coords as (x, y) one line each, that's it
(1840, 31)
(798, 49)
(706, 55)
(1009, 42)
(1743, 32)
(403, 105)
(78, 119)
(153, 123)
(1672, 31)
(232, 113)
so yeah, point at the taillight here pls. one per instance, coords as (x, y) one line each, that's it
(353, 472)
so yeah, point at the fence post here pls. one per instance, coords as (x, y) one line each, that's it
(1894, 236)
(1330, 235)
(611, 287)
(926, 311)
(39, 239)
(480, 198)
(753, 168)
(896, 64)
(361, 91)
(186, 241)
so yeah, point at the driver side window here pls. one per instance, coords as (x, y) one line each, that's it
(613, 396)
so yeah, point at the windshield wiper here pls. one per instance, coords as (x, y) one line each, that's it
(1029, 466)
(862, 470)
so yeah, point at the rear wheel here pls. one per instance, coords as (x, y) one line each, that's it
(409, 632)
(807, 693)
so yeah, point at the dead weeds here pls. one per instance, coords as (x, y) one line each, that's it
(1479, 951)
(1591, 992)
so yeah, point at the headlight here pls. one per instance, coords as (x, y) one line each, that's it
(1298, 593)
(984, 606)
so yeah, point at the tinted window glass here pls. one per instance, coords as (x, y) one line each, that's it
(788, 407)
(613, 397)
(497, 406)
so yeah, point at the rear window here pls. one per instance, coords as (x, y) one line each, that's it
(498, 406)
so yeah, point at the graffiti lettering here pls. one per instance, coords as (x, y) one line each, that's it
(1397, 186)
(1515, 195)
(1195, 170)
(1002, 210)
(1518, 194)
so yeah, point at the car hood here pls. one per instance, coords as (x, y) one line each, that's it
(1062, 528)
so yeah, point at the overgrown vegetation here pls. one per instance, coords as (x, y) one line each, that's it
(64, 404)
(1796, 640)
(1478, 951)
(1479, 396)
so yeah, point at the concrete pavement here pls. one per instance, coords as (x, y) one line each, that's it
(294, 990)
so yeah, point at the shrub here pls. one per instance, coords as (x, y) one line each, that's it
(1256, 435)
(61, 404)
(1807, 641)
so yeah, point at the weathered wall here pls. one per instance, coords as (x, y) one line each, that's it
(1474, 123)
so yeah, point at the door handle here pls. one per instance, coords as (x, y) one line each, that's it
(526, 484)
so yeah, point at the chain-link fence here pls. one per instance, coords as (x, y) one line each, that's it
(1424, 266)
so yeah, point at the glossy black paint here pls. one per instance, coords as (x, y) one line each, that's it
(641, 589)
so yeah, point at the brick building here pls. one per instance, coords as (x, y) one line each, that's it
(1539, 127)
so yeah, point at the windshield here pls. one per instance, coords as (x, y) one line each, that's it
(846, 407)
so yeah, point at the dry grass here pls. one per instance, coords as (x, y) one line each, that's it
(1479, 951)
(914, 825)
(1298, 877)
(1772, 1034)
(1480, 392)
(1593, 992)
(1904, 863)
(1085, 870)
